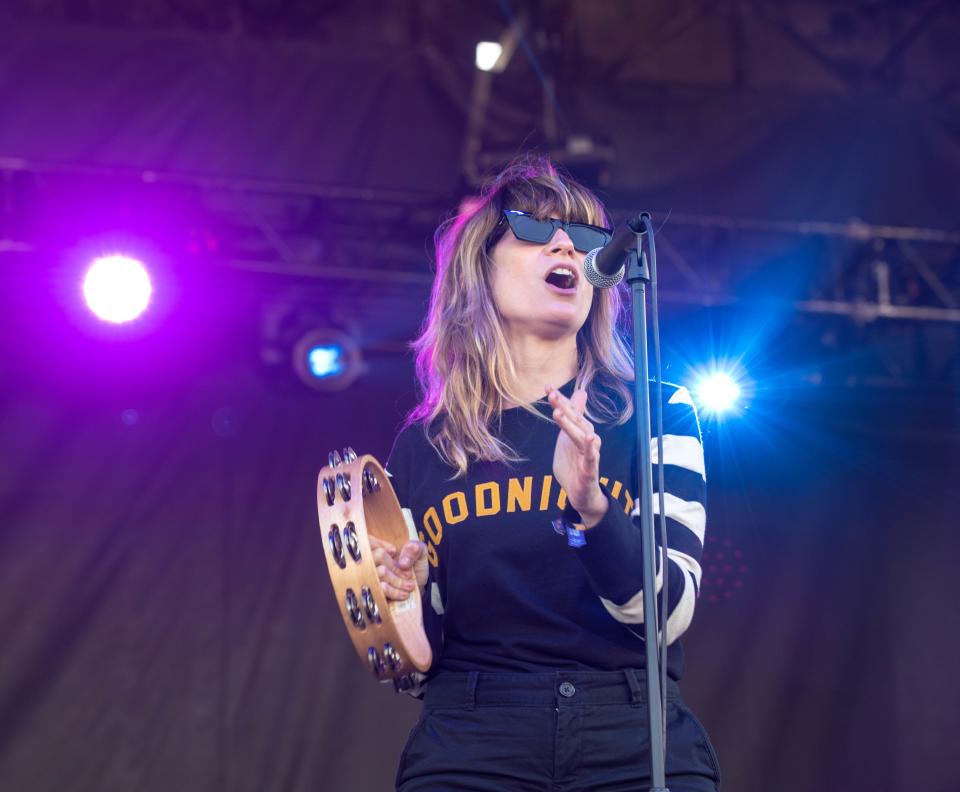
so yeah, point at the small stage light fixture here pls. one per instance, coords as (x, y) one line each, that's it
(327, 359)
(488, 54)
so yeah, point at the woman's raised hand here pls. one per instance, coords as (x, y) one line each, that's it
(400, 571)
(576, 458)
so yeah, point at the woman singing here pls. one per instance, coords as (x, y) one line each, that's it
(538, 678)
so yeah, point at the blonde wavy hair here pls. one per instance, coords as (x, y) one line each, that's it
(464, 367)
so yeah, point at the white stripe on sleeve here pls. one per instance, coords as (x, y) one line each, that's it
(688, 513)
(689, 563)
(631, 612)
(681, 396)
(680, 450)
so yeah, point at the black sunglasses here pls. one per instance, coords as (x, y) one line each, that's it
(526, 227)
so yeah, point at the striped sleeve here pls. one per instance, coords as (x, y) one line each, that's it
(400, 466)
(612, 555)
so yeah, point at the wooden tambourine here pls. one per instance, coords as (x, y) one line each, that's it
(355, 499)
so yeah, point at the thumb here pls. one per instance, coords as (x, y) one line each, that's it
(410, 554)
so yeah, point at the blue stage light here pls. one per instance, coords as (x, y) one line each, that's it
(325, 360)
(717, 392)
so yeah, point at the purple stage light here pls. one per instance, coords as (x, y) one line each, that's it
(117, 288)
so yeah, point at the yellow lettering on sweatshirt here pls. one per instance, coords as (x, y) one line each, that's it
(491, 488)
(545, 492)
(458, 499)
(431, 521)
(519, 497)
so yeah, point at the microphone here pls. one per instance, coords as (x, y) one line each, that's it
(605, 266)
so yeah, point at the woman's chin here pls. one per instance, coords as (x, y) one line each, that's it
(558, 326)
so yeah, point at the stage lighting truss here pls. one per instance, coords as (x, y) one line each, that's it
(891, 292)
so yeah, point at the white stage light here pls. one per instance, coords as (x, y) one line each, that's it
(488, 53)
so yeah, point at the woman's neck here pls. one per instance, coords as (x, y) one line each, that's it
(540, 362)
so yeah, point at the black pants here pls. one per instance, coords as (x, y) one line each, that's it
(562, 732)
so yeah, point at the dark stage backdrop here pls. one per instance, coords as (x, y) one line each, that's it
(167, 621)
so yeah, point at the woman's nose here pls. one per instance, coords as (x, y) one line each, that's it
(561, 242)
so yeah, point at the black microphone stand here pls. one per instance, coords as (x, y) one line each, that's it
(638, 276)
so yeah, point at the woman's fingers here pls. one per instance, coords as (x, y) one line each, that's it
(592, 453)
(391, 592)
(382, 558)
(575, 433)
(578, 401)
(389, 577)
(566, 414)
(572, 408)
(395, 569)
(376, 541)
(396, 582)
(586, 440)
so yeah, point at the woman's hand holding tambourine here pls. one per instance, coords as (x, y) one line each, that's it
(400, 571)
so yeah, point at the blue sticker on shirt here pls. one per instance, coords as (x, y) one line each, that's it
(575, 538)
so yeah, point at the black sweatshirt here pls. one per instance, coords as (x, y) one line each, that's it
(506, 592)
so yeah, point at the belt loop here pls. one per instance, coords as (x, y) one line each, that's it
(470, 694)
(636, 688)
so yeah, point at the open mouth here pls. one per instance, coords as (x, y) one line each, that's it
(563, 278)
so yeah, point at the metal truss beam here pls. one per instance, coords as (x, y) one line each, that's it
(404, 247)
